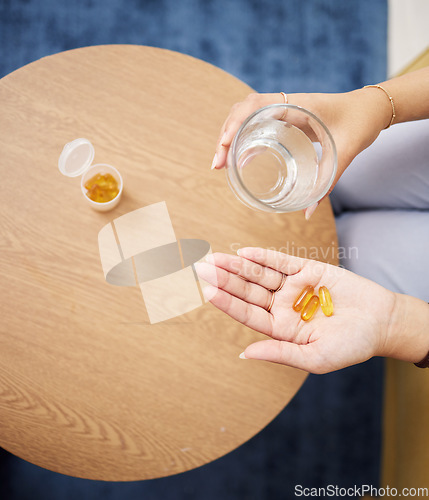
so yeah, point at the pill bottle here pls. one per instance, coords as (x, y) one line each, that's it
(76, 159)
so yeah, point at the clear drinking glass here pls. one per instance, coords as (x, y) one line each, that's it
(282, 159)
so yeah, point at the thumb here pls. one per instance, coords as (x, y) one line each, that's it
(342, 165)
(286, 353)
(309, 211)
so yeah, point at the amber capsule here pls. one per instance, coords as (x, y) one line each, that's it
(303, 298)
(102, 188)
(326, 301)
(310, 308)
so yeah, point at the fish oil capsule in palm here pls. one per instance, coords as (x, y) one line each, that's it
(303, 298)
(310, 308)
(326, 301)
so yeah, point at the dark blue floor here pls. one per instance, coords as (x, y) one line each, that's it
(330, 433)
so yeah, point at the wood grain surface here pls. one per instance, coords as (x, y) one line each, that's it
(88, 387)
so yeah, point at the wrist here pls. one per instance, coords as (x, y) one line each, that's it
(377, 105)
(407, 336)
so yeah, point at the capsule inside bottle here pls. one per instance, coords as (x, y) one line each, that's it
(303, 298)
(310, 308)
(326, 301)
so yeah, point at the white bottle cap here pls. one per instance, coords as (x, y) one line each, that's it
(76, 157)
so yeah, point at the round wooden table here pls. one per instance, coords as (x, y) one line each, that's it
(88, 387)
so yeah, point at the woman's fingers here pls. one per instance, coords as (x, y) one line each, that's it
(239, 112)
(219, 160)
(281, 262)
(220, 152)
(229, 129)
(252, 271)
(234, 284)
(250, 315)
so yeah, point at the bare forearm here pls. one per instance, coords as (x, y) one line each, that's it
(410, 94)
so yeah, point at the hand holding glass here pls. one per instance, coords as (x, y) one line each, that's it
(282, 159)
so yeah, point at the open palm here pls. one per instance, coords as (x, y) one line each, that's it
(241, 286)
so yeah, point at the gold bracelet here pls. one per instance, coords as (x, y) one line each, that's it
(390, 99)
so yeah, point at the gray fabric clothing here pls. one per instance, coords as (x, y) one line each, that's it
(381, 205)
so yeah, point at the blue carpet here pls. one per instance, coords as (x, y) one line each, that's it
(330, 433)
(295, 45)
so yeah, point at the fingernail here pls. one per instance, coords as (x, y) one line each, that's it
(197, 266)
(209, 291)
(238, 252)
(209, 259)
(214, 162)
(242, 356)
(310, 210)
